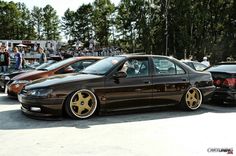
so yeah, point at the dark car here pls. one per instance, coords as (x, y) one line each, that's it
(118, 83)
(5, 78)
(224, 77)
(71, 65)
(195, 65)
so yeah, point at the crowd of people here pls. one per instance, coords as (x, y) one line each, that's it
(15, 59)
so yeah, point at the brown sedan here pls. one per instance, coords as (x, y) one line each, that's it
(118, 83)
(71, 65)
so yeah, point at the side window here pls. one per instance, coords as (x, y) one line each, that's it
(164, 66)
(78, 66)
(199, 66)
(64, 70)
(136, 67)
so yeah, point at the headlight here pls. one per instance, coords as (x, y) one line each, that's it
(39, 92)
(20, 81)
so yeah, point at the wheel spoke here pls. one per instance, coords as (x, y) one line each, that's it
(87, 99)
(80, 96)
(80, 110)
(76, 103)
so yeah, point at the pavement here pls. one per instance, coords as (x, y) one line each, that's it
(164, 132)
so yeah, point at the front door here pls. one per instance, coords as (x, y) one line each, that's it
(133, 91)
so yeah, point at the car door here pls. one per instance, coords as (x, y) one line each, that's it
(133, 91)
(170, 81)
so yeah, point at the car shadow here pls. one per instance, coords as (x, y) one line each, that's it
(15, 120)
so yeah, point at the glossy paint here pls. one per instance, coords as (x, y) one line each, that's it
(116, 94)
(14, 88)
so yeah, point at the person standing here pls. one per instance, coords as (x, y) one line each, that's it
(205, 61)
(18, 59)
(43, 57)
(1, 59)
(5, 60)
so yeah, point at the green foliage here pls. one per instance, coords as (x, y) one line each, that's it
(202, 27)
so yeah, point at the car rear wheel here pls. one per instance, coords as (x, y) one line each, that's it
(81, 104)
(192, 100)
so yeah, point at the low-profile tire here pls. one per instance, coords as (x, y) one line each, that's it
(192, 99)
(81, 104)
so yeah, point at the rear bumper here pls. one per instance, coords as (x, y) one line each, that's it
(224, 96)
(207, 93)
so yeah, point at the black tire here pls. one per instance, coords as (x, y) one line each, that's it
(81, 104)
(192, 99)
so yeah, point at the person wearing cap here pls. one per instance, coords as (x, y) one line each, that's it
(43, 57)
(205, 61)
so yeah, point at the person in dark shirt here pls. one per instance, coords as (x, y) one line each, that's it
(4, 60)
(18, 59)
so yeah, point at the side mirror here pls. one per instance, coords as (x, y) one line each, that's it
(69, 70)
(120, 74)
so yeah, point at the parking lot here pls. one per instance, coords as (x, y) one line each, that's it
(166, 131)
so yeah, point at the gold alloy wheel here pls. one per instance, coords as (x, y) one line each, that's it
(193, 98)
(83, 103)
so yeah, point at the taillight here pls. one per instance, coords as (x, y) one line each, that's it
(230, 82)
(217, 82)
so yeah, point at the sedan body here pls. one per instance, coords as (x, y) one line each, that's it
(118, 83)
(224, 76)
(70, 65)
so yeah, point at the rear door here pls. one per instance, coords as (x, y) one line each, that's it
(170, 81)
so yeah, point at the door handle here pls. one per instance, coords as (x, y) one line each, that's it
(184, 79)
(147, 82)
(138, 90)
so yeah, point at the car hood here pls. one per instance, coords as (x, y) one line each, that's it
(16, 72)
(60, 80)
(27, 75)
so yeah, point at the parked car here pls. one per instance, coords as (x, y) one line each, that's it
(224, 76)
(5, 78)
(195, 65)
(126, 82)
(70, 65)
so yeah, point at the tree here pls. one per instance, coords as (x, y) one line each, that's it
(50, 23)
(101, 20)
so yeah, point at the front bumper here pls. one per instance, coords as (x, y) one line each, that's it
(41, 107)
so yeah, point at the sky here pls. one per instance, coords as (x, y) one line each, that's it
(59, 5)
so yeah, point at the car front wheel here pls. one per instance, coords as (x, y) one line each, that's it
(81, 104)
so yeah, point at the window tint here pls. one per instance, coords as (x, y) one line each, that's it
(164, 66)
(136, 67)
(78, 66)
(199, 66)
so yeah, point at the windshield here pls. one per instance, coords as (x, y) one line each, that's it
(46, 64)
(103, 66)
(59, 64)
